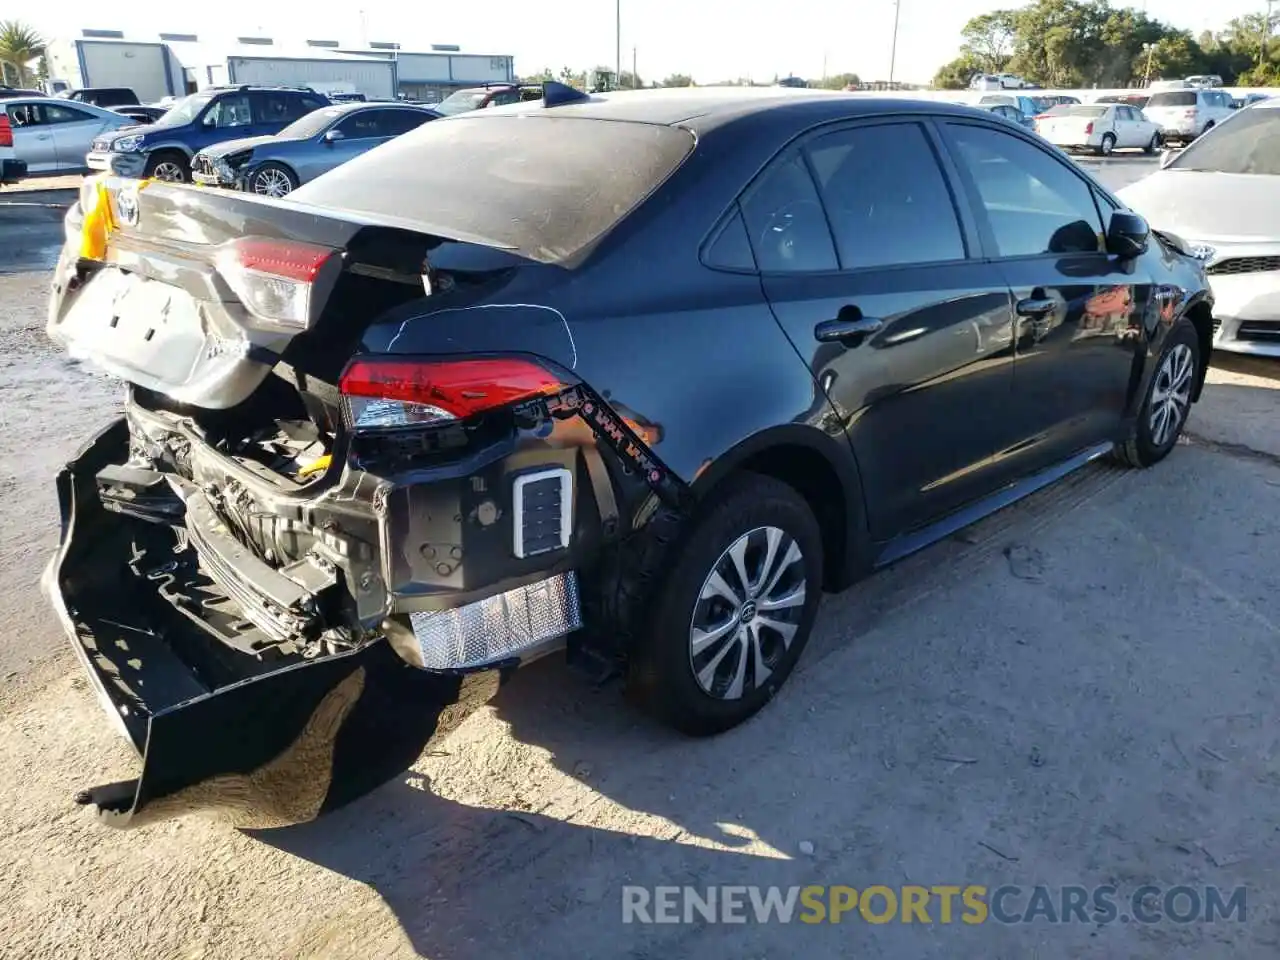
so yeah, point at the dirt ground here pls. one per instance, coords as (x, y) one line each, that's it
(1078, 691)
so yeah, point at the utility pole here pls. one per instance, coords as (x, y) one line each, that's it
(1266, 34)
(617, 37)
(893, 50)
(635, 77)
(1146, 77)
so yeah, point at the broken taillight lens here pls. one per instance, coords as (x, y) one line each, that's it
(385, 392)
(274, 278)
(1088, 128)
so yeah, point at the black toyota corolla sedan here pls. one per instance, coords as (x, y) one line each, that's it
(636, 376)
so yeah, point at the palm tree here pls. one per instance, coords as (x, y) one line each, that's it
(19, 45)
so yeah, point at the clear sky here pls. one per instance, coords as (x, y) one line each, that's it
(710, 39)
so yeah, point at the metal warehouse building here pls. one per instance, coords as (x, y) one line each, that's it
(174, 64)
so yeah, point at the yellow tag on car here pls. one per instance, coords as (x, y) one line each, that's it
(98, 223)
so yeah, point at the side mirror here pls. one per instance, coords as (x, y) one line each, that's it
(333, 136)
(1128, 235)
(1167, 156)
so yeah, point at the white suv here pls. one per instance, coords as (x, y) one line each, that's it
(1185, 114)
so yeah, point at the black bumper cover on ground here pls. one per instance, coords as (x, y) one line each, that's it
(278, 748)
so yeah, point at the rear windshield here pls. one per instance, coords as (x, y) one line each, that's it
(1077, 110)
(1247, 143)
(462, 101)
(543, 186)
(1175, 98)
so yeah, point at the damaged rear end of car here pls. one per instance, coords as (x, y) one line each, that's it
(303, 553)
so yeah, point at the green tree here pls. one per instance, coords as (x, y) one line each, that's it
(541, 76)
(1174, 55)
(988, 40)
(956, 74)
(678, 80)
(839, 81)
(19, 45)
(630, 81)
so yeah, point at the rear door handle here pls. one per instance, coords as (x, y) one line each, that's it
(1035, 306)
(848, 332)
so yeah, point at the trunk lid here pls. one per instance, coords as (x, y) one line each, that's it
(194, 294)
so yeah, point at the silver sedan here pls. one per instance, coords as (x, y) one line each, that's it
(53, 135)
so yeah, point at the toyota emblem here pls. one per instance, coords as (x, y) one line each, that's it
(127, 205)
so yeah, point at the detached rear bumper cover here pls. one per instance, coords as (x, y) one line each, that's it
(278, 748)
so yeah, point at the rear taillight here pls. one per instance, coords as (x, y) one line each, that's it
(6, 130)
(274, 278)
(381, 393)
(1088, 128)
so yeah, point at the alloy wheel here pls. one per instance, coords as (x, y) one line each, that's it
(272, 183)
(168, 170)
(747, 613)
(1171, 394)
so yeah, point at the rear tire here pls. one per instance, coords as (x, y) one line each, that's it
(1108, 144)
(169, 165)
(1168, 402)
(715, 650)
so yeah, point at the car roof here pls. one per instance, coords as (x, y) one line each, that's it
(59, 102)
(354, 106)
(705, 108)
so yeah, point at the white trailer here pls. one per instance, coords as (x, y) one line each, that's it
(374, 77)
(142, 67)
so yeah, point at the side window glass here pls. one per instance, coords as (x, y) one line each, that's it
(402, 121)
(230, 111)
(731, 250)
(885, 196)
(785, 221)
(59, 114)
(1033, 203)
(361, 125)
(26, 115)
(505, 98)
(530, 93)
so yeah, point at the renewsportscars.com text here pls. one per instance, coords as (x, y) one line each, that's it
(944, 903)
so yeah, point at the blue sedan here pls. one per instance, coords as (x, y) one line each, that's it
(323, 139)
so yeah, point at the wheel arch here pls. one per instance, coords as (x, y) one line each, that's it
(822, 469)
(171, 146)
(1200, 313)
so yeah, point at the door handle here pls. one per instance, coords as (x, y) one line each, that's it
(1035, 306)
(849, 332)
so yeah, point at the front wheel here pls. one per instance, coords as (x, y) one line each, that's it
(1168, 401)
(272, 180)
(1153, 145)
(735, 611)
(169, 165)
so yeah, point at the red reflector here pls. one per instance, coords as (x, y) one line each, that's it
(6, 131)
(281, 258)
(459, 387)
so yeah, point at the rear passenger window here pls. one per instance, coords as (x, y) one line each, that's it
(396, 122)
(785, 221)
(1033, 203)
(886, 197)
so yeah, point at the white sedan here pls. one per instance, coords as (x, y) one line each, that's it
(1100, 127)
(1221, 196)
(52, 135)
